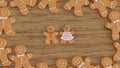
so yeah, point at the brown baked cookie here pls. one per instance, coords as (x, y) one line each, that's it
(78, 62)
(51, 35)
(61, 63)
(21, 58)
(77, 5)
(67, 35)
(22, 5)
(51, 3)
(114, 24)
(6, 22)
(4, 53)
(102, 5)
(3, 3)
(108, 63)
(42, 65)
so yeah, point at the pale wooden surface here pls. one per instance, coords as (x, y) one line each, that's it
(92, 39)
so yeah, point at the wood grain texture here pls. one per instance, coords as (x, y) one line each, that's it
(91, 38)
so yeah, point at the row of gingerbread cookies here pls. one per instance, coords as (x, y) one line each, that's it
(21, 58)
(100, 5)
(67, 35)
(78, 62)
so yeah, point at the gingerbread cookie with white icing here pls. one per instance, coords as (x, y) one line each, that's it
(22, 5)
(80, 63)
(21, 58)
(77, 5)
(3, 3)
(67, 35)
(42, 65)
(50, 35)
(108, 63)
(102, 5)
(4, 53)
(51, 3)
(6, 20)
(114, 24)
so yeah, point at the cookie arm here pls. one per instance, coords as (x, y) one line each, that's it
(8, 50)
(92, 6)
(88, 59)
(29, 55)
(45, 33)
(108, 25)
(72, 32)
(12, 20)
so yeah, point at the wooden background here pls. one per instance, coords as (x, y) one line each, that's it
(91, 38)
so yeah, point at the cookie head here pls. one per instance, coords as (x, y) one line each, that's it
(76, 61)
(66, 28)
(114, 15)
(42, 65)
(61, 63)
(50, 28)
(3, 43)
(20, 49)
(4, 12)
(106, 61)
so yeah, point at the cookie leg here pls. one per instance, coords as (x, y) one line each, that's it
(71, 41)
(5, 62)
(92, 6)
(42, 4)
(31, 3)
(47, 41)
(116, 58)
(24, 10)
(62, 41)
(68, 6)
(115, 36)
(52, 8)
(8, 30)
(103, 12)
(113, 4)
(78, 11)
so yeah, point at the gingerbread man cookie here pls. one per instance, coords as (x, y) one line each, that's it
(114, 24)
(50, 3)
(3, 3)
(6, 22)
(102, 5)
(61, 63)
(21, 58)
(78, 62)
(67, 35)
(22, 5)
(108, 63)
(51, 35)
(3, 53)
(77, 5)
(42, 65)
(116, 56)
